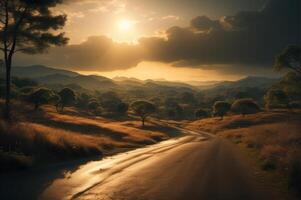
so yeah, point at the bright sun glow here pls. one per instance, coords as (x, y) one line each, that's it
(125, 25)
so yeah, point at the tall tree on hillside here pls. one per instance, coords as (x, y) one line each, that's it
(27, 26)
(290, 58)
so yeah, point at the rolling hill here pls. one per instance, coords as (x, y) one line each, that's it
(51, 76)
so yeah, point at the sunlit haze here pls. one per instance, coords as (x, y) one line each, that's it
(172, 39)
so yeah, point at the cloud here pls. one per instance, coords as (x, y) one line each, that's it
(246, 40)
(171, 17)
(96, 53)
(204, 23)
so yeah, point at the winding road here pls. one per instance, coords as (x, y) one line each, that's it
(193, 167)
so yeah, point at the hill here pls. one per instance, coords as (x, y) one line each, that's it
(36, 71)
(53, 77)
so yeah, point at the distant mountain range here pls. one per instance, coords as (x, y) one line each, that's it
(52, 76)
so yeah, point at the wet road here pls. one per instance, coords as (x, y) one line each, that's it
(193, 167)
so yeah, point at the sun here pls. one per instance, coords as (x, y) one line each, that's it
(125, 25)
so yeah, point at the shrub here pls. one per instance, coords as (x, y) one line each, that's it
(245, 106)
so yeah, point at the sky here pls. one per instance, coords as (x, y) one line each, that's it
(186, 40)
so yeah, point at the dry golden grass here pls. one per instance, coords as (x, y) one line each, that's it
(275, 136)
(46, 135)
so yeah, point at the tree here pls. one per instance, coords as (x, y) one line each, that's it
(84, 100)
(245, 106)
(122, 108)
(290, 58)
(110, 101)
(39, 97)
(221, 108)
(94, 106)
(27, 26)
(143, 109)
(67, 98)
(201, 113)
(276, 98)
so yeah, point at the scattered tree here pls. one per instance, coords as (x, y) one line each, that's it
(27, 27)
(245, 106)
(67, 98)
(93, 105)
(122, 108)
(276, 98)
(290, 58)
(221, 108)
(109, 101)
(40, 97)
(143, 109)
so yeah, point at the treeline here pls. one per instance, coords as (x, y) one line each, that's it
(178, 106)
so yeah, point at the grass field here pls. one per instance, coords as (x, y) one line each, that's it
(44, 136)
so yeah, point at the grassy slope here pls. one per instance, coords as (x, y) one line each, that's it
(46, 136)
(274, 138)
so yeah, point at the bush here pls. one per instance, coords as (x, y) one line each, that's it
(221, 108)
(245, 106)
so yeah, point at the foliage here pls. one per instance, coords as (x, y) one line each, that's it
(28, 27)
(143, 109)
(110, 101)
(122, 108)
(83, 101)
(39, 97)
(245, 106)
(67, 98)
(221, 108)
(290, 84)
(290, 58)
(93, 105)
(276, 98)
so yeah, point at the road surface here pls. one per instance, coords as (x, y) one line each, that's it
(192, 167)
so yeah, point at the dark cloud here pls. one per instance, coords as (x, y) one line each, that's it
(246, 39)
(204, 23)
(97, 53)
